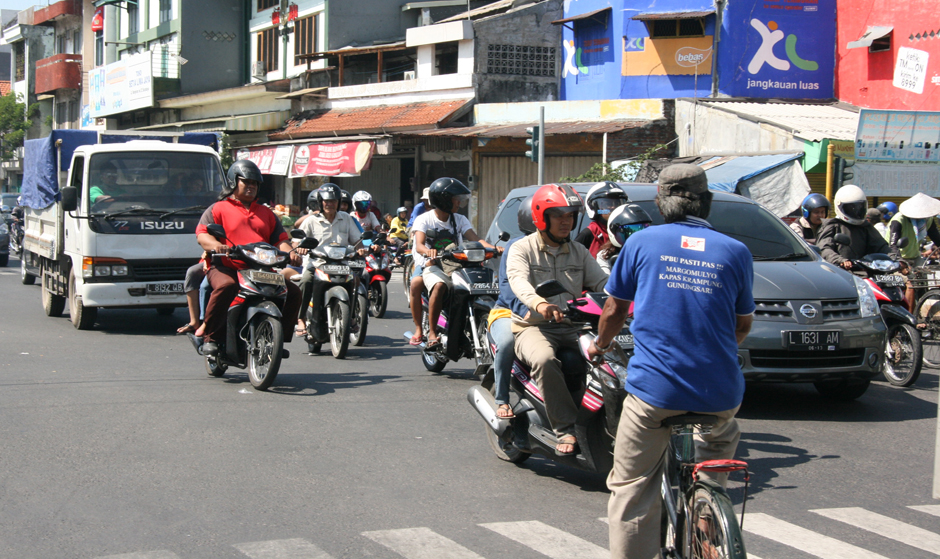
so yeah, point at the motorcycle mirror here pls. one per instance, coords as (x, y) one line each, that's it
(297, 234)
(367, 235)
(903, 242)
(431, 234)
(309, 243)
(216, 231)
(549, 288)
(382, 236)
(842, 239)
(504, 236)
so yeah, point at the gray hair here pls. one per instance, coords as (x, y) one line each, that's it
(676, 208)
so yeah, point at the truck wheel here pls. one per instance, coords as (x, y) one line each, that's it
(83, 318)
(51, 303)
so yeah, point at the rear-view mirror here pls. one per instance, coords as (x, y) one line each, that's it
(69, 199)
(549, 288)
(297, 234)
(309, 243)
(842, 239)
(216, 231)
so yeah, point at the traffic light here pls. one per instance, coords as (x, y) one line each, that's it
(843, 172)
(533, 143)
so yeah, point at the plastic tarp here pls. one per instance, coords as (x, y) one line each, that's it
(775, 181)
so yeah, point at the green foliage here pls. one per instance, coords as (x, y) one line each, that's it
(225, 144)
(14, 122)
(625, 173)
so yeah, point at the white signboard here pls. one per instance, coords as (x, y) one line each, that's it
(122, 86)
(282, 157)
(910, 72)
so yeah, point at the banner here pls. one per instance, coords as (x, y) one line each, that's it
(686, 56)
(897, 153)
(122, 86)
(330, 160)
(274, 160)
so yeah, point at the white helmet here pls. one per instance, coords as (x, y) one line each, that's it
(851, 204)
(362, 200)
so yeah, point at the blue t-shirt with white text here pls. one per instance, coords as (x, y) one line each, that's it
(688, 282)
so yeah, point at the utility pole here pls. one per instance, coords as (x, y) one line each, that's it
(541, 145)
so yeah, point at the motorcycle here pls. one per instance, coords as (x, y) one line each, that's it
(254, 335)
(337, 292)
(903, 346)
(376, 276)
(16, 237)
(597, 386)
(462, 322)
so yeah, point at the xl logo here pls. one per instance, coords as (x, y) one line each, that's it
(573, 64)
(770, 36)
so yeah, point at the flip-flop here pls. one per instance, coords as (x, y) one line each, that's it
(433, 344)
(186, 329)
(508, 408)
(300, 332)
(568, 440)
(416, 341)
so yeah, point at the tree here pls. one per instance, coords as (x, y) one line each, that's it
(14, 122)
(624, 173)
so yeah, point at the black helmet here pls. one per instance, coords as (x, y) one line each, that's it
(328, 191)
(443, 191)
(625, 221)
(526, 225)
(345, 197)
(604, 190)
(247, 170)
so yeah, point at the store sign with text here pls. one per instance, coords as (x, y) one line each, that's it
(686, 56)
(331, 160)
(274, 160)
(897, 153)
(121, 86)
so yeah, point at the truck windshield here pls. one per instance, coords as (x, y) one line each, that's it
(158, 181)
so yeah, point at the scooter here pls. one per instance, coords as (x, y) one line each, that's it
(376, 276)
(16, 237)
(462, 323)
(597, 387)
(254, 335)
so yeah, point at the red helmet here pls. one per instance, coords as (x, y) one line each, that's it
(553, 196)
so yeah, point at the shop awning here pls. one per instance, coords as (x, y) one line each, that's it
(518, 130)
(241, 123)
(651, 16)
(601, 16)
(313, 91)
(776, 181)
(809, 121)
(870, 36)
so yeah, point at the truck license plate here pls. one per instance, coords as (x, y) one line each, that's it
(175, 288)
(812, 340)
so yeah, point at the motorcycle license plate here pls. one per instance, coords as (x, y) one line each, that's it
(357, 264)
(812, 340)
(175, 288)
(335, 269)
(625, 340)
(892, 280)
(269, 278)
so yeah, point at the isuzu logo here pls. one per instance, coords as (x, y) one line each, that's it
(807, 310)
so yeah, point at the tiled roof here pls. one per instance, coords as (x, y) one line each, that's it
(5, 88)
(385, 118)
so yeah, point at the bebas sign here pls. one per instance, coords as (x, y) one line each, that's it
(667, 57)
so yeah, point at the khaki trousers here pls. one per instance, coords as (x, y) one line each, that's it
(536, 347)
(635, 505)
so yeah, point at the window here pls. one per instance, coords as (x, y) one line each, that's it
(305, 37)
(74, 109)
(77, 41)
(265, 4)
(267, 49)
(99, 48)
(166, 10)
(666, 28)
(19, 50)
(133, 19)
(445, 57)
(520, 60)
(881, 44)
(61, 44)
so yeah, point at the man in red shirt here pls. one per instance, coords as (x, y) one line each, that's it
(245, 221)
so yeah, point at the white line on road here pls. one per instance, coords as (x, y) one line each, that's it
(282, 549)
(885, 526)
(929, 509)
(162, 554)
(547, 540)
(749, 554)
(420, 543)
(805, 540)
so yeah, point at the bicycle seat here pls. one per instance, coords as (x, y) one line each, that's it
(690, 419)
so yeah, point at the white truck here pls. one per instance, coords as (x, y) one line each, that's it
(117, 230)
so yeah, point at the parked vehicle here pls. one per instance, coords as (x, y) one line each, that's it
(796, 292)
(254, 336)
(462, 324)
(122, 235)
(6, 242)
(375, 277)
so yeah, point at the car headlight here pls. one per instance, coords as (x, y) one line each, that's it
(266, 256)
(867, 304)
(885, 265)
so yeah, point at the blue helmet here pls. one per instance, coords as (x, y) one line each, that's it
(812, 202)
(887, 209)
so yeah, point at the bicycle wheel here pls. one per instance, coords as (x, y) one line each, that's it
(713, 531)
(928, 310)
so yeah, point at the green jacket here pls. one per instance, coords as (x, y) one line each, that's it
(912, 250)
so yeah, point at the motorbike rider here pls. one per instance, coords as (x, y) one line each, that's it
(916, 220)
(851, 207)
(398, 232)
(815, 208)
(500, 318)
(245, 221)
(686, 344)
(600, 201)
(887, 209)
(623, 221)
(447, 196)
(541, 256)
(345, 202)
(328, 225)
(362, 203)
(423, 207)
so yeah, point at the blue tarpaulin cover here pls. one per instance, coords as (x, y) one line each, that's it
(726, 176)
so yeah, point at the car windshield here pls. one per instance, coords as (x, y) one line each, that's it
(157, 181)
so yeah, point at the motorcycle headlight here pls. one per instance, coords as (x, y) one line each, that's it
(476, 255)
(885, 265)
(4, 228)
(867, 304)
(336, 253)
(266, 256)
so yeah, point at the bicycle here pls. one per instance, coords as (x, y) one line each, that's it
(698, 518)
(926, 283)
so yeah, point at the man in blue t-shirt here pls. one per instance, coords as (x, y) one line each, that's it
(691, 287)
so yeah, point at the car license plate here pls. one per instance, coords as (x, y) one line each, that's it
(891, 279)
(335, 269)
(175, 288)
(269, 278)
(812, 340)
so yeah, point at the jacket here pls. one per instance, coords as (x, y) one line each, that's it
(865, 240)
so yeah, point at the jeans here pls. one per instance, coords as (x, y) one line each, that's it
(204, 291)
(501, 330)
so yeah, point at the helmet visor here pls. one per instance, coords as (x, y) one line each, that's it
(623, 232)
(854, 210)
(362, 205)
(463, 200)
(607, 205)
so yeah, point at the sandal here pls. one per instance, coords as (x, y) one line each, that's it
(187, 328)
(568, 440)
(504, 411)
(433, 343)
(416, 340)
(300, 331)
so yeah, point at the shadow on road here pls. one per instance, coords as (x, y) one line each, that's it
(587, 481)
(312, 384)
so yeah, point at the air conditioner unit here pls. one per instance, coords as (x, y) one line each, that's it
(410, 75)
(258, 70)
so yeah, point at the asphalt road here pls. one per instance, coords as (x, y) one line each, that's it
(116, 442)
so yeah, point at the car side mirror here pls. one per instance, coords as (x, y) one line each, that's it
(298, 234)
(549, 288)
(842, 239)
(69, 198)
(216, 231)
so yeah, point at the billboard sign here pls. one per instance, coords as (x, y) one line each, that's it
(897, 153)
(274, 160)
(330, 160)
(122, 86)
(780, 49)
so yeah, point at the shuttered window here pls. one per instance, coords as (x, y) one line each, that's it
(267, 49)
(305, 37)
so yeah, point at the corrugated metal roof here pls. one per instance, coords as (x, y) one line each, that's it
(810, 122)
(481, 11)
(672, 15)
(519, 130)
(587, 15)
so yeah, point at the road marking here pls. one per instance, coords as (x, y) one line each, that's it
(929, 509)
(547, 540)
(805, 540)
(420, 543)
(282, 549)
(162, 554)
(885, 526)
